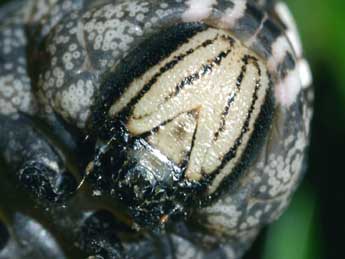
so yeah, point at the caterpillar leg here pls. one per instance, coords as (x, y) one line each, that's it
(36, 164)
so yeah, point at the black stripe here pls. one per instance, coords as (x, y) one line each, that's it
(232, 97)
(205, 68)
(189, 80)
(233, 150)
(253, 147)
(156, 129)
(147, 54)
(186, 158)
(221, 128)
(195, 114)
(168, 67)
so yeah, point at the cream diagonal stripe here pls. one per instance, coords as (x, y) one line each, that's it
(221, 85)
(196, 42)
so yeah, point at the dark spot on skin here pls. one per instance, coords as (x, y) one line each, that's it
(180, 131)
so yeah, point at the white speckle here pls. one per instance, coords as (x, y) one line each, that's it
(76, 54)
(287, 90)
(304, 73)
(164, 5)
(263, 189)
(96, 193)
(80, 83)
(69, 66)
(134, 8)
(140, 17)
(279, 49)
(154, 19)
(147, 25)
(292, 32)
(67, 57)
(233, 14)
(198, 10)
(51, 164)
(8, 66)
(72, 47)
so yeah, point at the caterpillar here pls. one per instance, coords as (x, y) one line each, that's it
(149, 129)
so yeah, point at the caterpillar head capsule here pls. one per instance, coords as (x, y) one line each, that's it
(186, 112)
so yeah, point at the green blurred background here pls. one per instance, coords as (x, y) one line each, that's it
(314, 225)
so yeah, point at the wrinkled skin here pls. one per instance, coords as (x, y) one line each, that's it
(57, 198)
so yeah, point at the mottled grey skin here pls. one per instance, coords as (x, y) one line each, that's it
(53, 57)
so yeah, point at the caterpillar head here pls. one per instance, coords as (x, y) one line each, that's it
(185, 114)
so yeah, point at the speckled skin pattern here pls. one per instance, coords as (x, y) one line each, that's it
(55, 56)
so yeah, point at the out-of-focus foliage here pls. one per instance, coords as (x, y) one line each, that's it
(322, 24)
(313, 226)
(295, 235)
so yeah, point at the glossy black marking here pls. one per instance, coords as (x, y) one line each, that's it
(98, 236)
(29, 153)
